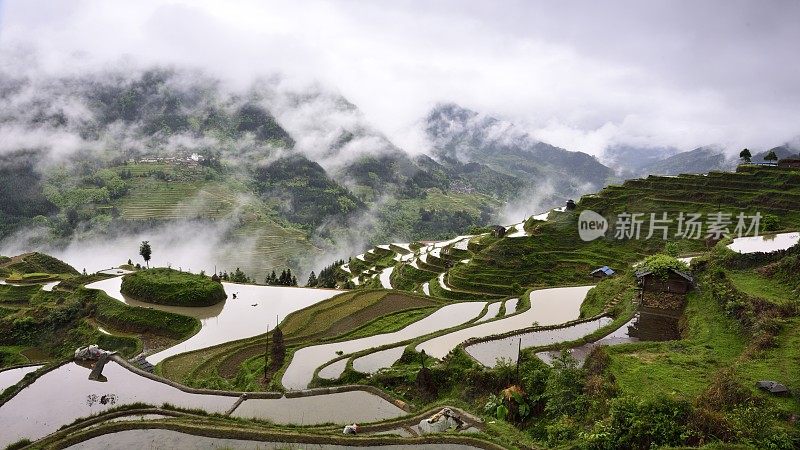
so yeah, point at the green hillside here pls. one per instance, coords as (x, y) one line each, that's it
(739, 326)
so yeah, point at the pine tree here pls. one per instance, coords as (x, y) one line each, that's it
(312, 280)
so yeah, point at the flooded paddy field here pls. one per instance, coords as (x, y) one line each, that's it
(158, 439)
(548, 307)
(621, 335)
(488, 352)
(247, 315)
(376, 361)
(10, 377)
(307, 359)
(765, 243)
(339, 408)
(65, 394)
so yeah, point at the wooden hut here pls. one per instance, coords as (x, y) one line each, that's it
(789, 163)
(676, 282)
(498, 231)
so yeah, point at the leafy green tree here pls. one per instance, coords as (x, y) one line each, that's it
(745, 155)
(145, 251)
(771, 156)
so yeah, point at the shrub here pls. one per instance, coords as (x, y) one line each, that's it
(564, 388)
(563, 430)
(639, 424)
(661, 264)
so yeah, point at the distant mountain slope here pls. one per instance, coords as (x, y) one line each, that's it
(782, 152)
(699, 160)
(284, 172)
(629, 161)
(21, 196)
(465, 135)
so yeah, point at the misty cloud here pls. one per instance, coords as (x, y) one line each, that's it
(695, 73)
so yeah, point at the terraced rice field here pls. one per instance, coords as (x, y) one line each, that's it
(548, 307)
(161, 200)
(267, 245)
(306, 360)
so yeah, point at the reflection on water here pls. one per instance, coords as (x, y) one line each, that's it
(548, 307)
(340, 408)
(306, 360)
(487, 353)
(511, 306)
(491, 312)
(766, 243)
(333, 370)
(247, 315)
(65, 394)
(648, 324)
(379, 360)
(158, 439)
(105, 399)
(10, 377)
(619, 336)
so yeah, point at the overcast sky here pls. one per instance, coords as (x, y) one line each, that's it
(579, 74)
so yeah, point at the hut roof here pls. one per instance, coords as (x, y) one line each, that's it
(644, 273)
(605, 269)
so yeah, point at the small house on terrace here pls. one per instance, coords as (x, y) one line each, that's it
(602, 272)
(498, 231)
(789, 163)
(676, 282)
